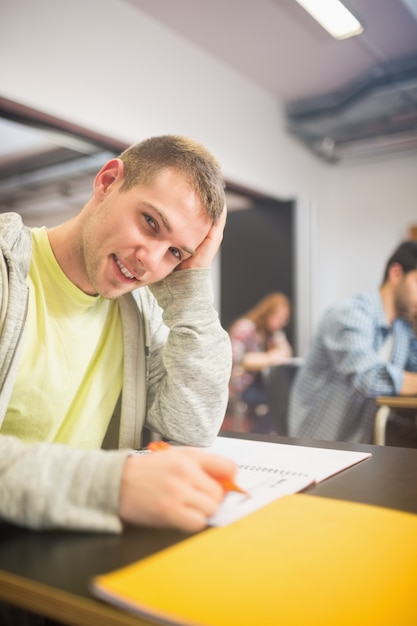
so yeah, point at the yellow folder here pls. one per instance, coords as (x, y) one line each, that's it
(302, 560)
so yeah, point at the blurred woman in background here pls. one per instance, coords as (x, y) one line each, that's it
(258, 342)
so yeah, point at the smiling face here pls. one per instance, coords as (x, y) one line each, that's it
(136, 237)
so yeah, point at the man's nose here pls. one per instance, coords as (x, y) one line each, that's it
(151, 257)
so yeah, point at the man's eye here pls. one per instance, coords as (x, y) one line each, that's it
(176, 253)
(150, 221)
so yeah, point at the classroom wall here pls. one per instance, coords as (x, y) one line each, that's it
(104, 65)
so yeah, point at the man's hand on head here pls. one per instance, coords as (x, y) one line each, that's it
(207, 250)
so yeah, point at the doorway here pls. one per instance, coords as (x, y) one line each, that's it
(257, 257)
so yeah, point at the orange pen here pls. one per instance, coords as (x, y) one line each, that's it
(226, 483)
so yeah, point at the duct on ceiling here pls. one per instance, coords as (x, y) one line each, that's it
(376, 116)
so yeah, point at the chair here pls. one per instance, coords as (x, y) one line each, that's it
(242, 414)
(278, 379)
(380, 424)
(395, 422)
(278, 383)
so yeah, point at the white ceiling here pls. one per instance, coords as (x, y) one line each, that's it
(280, 47)
(349, 99)
(277, 45)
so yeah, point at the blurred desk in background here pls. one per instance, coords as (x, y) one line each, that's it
(398, 402)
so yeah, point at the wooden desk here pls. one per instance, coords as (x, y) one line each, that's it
(49, 572)
(398, 402)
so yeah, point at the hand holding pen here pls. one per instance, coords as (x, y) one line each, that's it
(227, 483)
(181, 487)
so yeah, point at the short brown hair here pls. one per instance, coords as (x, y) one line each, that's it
(145, 160)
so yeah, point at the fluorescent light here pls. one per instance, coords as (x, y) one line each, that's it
(412, 6)
(334, 17)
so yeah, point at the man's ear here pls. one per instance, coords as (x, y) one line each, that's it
(396, 273)
(111, 173)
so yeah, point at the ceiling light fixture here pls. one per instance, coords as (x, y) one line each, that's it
(334, 17)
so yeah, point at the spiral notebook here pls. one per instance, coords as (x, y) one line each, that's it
(268, 471)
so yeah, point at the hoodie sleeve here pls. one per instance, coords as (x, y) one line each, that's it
(190, 360)
(45, 486)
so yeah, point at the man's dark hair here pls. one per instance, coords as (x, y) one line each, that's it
(405, 255)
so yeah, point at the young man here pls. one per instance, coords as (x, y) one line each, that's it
(107, 325)
(364, 347)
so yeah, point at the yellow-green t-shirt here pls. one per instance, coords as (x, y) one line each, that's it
(70, 374)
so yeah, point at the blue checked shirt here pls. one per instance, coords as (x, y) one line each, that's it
(333, 396)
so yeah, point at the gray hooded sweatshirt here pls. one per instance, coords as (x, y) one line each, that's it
(177, 362)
